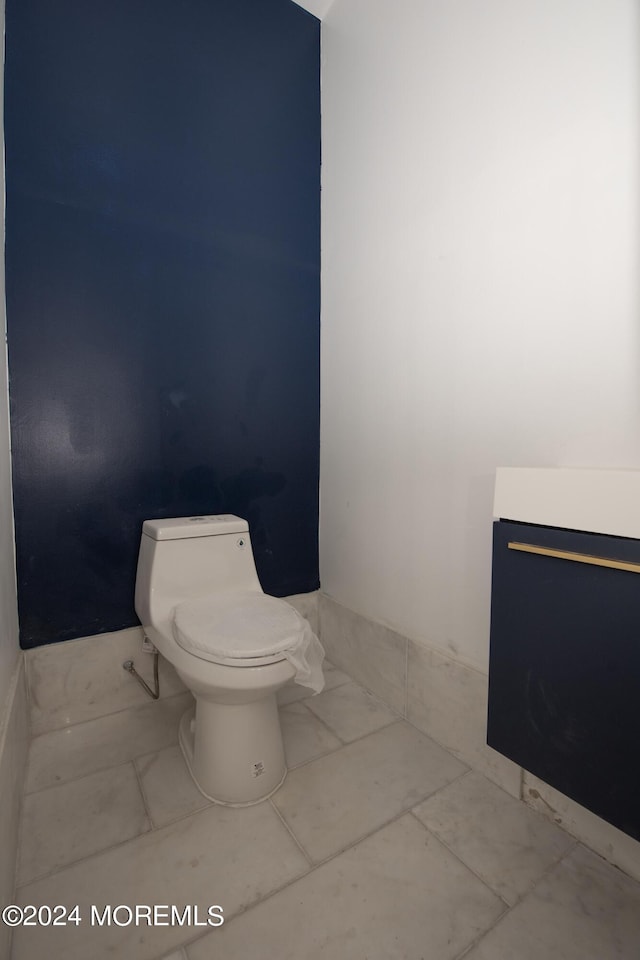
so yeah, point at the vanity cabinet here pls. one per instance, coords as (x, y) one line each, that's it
(564, 674)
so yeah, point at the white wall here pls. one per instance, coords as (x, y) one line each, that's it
(480, 284)
(8, 603)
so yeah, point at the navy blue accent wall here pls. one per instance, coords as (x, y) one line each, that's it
(162, 255)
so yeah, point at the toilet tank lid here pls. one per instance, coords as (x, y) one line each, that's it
(183, 528)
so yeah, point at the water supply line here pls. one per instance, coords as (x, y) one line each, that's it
(130, 668)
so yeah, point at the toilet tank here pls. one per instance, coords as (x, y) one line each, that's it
(187, 557)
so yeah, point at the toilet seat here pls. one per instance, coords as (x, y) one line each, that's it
(238, 629)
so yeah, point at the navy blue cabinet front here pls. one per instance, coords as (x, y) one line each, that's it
(564, 673)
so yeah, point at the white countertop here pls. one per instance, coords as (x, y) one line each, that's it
(598, 501)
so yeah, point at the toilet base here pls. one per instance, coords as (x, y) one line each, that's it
(234, 752)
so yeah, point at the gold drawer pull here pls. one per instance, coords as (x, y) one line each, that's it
(577, 557)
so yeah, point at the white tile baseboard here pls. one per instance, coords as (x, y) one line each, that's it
(372, 654)
(440, 696)
(307, 605)
(448, 701)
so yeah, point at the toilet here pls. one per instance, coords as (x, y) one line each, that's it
(200, 603)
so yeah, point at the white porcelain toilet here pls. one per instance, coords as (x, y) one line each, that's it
(200, 602)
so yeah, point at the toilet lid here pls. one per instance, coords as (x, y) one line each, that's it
(236, 626)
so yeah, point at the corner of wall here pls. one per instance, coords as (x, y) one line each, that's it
(9, 645)
(14, 743)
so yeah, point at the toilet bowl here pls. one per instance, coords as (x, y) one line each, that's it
(200, 602)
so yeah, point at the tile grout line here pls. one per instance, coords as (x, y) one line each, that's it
(185, 816)
(121, 843)
(118, 763)
(319, 756)
(344, 744)
(396, 816)
(315, 716)
(553, 866)
(405, 716)
(153, 828)
(485, 883)
(85, 776)
(173, 743)
(145, 803)
(96, 853)
(180, 951)
(522, 772)
(284, 823)
(313, 864)
(476, 940)
(373, 693)
(396, 716)
(470, 768)
(112, 713)
(310, 696)
(519, 799)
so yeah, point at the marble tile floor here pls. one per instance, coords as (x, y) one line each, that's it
(380, 845)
